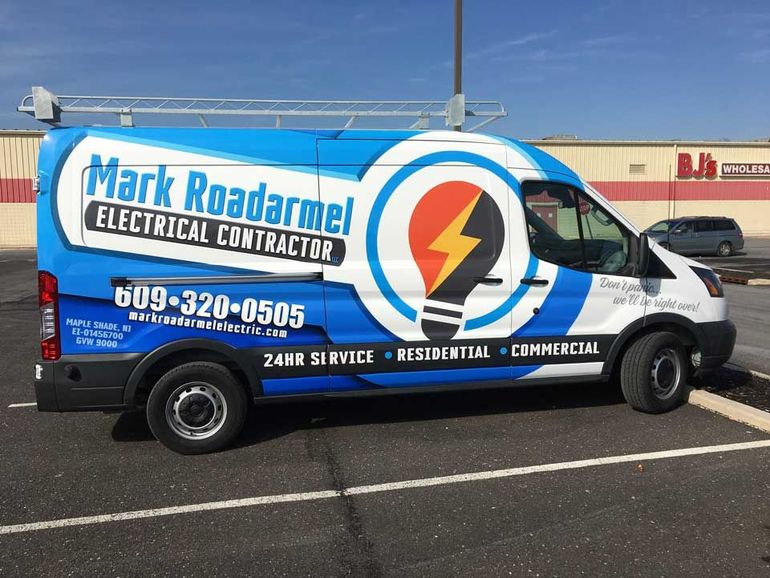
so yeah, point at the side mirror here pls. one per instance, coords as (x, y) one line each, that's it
(678, 231)
(643, 257)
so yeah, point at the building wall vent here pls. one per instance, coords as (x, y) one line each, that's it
(637, 169)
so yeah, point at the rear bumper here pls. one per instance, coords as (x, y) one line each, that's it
(84, 382)
(716, 342)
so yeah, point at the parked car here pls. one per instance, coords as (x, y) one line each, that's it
(698, 235)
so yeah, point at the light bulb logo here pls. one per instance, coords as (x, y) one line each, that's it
(456, 235)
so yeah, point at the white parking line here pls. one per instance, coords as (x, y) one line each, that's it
(26, 404)
(374, 488)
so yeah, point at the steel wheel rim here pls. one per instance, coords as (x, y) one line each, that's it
(724, 249)
(196, 410)
(665, 373)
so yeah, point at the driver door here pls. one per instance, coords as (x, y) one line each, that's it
(681, 238)
(580, 278)
(705, 241)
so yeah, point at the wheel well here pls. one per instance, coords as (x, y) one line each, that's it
(685, 335)
(175, 358)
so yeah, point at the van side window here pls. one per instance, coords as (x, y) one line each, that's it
(724, 225)
(703, 226)
(567, 228)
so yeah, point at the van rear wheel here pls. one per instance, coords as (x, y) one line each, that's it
(197, 408)
(725, 249)
(653, 373)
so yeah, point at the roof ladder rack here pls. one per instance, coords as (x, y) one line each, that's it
(48, 107)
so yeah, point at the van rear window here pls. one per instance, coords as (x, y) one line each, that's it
(724, 225)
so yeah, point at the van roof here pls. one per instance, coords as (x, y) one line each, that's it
(291, 146)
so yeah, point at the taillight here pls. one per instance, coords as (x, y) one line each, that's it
(48, 299)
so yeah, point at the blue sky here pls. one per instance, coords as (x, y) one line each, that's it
(598, 69)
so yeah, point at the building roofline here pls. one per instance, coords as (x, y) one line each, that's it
(536, 142)
(21, 131)
(598, 142)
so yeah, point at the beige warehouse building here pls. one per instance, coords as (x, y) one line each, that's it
(18, 167)
(651, 181)
(647, 181)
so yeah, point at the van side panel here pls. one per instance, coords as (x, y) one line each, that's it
(328, 260)
(157, 236)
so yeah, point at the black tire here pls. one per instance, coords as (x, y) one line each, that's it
(725, 249)
(197, 408)
(648, 374)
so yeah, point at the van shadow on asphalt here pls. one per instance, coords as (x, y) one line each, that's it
(274, 420)
(740, 386)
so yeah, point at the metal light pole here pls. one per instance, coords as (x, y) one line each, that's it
(458, 98)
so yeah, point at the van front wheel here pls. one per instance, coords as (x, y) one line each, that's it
(653, 373)
(197, 408)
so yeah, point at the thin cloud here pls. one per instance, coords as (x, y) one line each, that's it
(494, 50)
(760, 56)
(504, 45)
(747, 25)
(541, 55)
(602, 41)
(751, 16)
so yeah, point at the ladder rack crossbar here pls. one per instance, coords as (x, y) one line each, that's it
(48, 107)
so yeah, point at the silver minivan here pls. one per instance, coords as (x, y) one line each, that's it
(698, 235)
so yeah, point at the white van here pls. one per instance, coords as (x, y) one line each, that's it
(192, 272)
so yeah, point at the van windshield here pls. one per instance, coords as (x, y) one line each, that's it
(661, 227)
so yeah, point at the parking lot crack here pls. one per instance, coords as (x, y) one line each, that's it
(361, 561)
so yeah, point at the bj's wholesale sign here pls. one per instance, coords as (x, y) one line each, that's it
(746, 170)
(705, 166)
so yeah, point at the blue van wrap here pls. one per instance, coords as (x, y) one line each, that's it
(125, 214)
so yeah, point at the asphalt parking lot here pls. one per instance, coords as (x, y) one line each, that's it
(753, 262)
(749, 305)
(557, 484)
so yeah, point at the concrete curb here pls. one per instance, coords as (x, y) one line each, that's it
(743, 280)
(739, 276)
(728, 408)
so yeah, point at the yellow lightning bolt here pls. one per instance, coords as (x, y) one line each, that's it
(454, 244)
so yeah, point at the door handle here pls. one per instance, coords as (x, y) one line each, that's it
(488, 280)
(535, 281)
